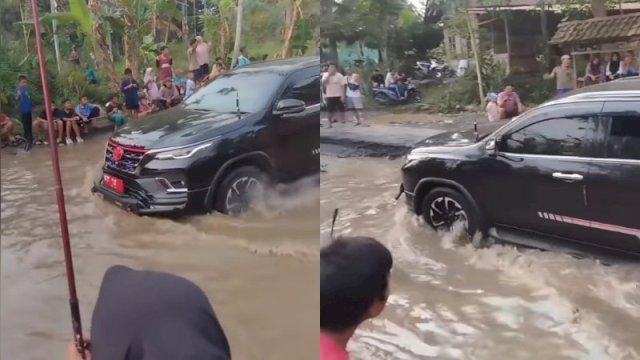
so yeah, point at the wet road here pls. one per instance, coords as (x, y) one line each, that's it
(450, 301)
(261, 274)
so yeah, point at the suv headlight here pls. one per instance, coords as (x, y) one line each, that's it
(417, 154)
(181, 152)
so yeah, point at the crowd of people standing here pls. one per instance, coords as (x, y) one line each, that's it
(154, 93)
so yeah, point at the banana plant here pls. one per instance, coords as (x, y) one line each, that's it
(88, 21)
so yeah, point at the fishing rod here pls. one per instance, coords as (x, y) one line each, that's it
(55, 163)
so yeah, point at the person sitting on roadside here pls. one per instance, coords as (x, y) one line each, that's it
(169, 95)
(595, 72)
(71, 121)
(629, 66)
(219, 68)
(614, 67)
(149, 315)
(146, 107)
(40, 125)
(354, 287)
(7, 129)
(115, 113)
(494, 112)
(377, 79)
(87, 112)
(509, 102)
(390, 78)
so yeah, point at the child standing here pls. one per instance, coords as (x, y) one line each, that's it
(129, 88)
(23, 96)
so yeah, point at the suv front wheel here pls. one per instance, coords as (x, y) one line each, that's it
(240, 190)
(444, 207)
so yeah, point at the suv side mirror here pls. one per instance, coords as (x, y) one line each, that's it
(289, 106)
(493, 145)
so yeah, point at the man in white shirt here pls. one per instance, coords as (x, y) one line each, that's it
(334, 89)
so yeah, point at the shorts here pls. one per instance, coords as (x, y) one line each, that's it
(334, 104)
(561, 92)
(130, 105)
(197, 74)
(204, 70)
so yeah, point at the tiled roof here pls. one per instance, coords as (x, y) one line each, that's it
(598, 30)
(505, 3)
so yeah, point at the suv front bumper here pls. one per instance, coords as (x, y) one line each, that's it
(139, 199)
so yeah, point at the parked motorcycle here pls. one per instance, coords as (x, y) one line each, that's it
(430, 70)
(389, 95)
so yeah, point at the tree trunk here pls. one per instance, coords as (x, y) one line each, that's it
(131, 46)
(545, 36)
(238, 39)
(599, 8)
(100, 48)
(24, 28)
(292, 20)
(508, 42)
(333, 50)
(476, 56)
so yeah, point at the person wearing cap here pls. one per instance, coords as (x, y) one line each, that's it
(493, 110)
(563, 74)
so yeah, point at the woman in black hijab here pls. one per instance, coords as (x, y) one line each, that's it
(613, 67)
(148, 315)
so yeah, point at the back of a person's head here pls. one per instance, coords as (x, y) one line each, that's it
(148, 315)
(354, 273)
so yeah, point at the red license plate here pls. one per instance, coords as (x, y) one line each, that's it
(113, 183)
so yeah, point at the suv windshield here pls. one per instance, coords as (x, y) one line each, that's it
(254, 89)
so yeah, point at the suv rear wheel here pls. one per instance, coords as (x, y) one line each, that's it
(240, 190)
(443, 207)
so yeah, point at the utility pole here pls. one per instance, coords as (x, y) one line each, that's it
(56, 45)
(236, 44)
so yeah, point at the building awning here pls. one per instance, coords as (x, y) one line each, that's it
(603, 30)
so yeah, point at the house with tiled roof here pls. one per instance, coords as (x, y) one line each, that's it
(520, 32)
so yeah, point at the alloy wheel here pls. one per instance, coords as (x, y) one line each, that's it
(444, 212)
(242, 193)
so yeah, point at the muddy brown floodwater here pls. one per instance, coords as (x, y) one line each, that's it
(260, 273)
(453, 302)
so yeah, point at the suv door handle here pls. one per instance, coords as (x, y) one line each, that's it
(567, 177)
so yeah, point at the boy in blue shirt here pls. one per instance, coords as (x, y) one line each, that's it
(23, 96)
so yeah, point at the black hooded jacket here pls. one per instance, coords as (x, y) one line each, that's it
(148, 315)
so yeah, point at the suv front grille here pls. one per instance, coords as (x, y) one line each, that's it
(130, 159)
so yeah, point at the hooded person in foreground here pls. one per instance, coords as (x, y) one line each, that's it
(148, 315)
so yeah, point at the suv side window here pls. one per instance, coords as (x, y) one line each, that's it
(624, 137)
(564, 136)
(305, 89)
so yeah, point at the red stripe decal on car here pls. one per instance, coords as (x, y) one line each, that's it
(591, 224)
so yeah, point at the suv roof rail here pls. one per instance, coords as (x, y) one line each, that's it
(606, 94)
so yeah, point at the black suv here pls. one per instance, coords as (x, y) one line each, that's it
(253, 126)
(566, 170)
